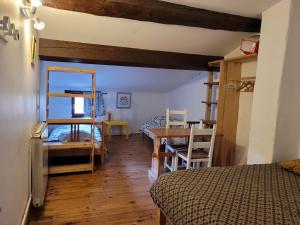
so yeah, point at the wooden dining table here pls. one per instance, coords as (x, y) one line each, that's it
(157, 167)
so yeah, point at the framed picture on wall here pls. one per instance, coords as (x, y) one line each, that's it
(33, 50)
(123, 100)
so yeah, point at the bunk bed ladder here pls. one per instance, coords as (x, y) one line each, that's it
(74, 123)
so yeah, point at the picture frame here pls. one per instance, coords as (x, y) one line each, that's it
(33, 50)
(123, 100)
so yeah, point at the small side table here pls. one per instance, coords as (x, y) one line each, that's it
(121, 123)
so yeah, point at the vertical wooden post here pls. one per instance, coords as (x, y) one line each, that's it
(162, 218)
(93, 116)
(209, 95)
(47, 92)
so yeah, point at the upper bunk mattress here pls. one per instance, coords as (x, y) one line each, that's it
(252, 194)
(62, 133)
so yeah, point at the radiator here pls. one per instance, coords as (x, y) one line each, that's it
(39, 162)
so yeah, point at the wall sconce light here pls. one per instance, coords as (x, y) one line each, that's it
(29, 9)
(8, 29)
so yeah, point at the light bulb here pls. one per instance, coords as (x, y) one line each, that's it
(36, 3)
(39, 25)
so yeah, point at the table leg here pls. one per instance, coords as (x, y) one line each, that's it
(109, 132)
(127, 131)
(121, 130)
(156, 168)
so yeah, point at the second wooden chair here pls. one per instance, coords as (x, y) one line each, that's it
(198, 150)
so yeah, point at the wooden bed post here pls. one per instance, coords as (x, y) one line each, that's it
(162, 218)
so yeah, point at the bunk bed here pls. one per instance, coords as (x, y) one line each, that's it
(74, 134)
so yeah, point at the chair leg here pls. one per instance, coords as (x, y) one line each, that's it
(176, 162)
(166, 159)
(173, 163)
(188, 164)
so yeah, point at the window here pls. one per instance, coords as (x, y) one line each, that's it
(77, 104)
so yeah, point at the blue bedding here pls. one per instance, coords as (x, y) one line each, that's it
(62, 133)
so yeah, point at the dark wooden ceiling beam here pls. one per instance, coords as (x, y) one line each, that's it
(159, 12)
(66, 51)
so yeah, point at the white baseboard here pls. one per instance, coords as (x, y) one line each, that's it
(25, 217)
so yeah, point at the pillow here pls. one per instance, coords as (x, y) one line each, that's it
(293, 165)
(155, 119)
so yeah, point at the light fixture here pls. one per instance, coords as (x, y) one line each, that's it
(36, 3)
(39, 25)
(29, 10)
(8, 29)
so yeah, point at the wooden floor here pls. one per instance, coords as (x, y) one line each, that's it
(117, 194)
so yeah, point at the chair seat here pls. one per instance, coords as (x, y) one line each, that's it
(177, 148)
(196, 154)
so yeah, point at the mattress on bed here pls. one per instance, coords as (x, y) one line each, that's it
(253, 194)
(62, 133)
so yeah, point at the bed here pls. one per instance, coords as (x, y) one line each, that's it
(252, 194)
(64, 134)
(154, 122)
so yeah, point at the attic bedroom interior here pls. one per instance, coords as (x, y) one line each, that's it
(169, 112)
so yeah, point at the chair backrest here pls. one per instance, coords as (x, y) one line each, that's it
(200, 144)
(180, 122)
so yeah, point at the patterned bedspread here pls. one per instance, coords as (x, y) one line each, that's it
(62, 133)
(254, 194)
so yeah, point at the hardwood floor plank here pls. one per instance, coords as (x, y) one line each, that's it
(118, 193)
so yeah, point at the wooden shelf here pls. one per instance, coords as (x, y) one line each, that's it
(69, 95)
(210, 122)
(71, 121)
(210, 103)
(242, 58)
(212, 83)
(72, 70)
(70, 168)
(69, 145)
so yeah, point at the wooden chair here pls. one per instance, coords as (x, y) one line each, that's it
(175, 144)
(198, 150)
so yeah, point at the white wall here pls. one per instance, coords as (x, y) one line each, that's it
(18, 89)
(287, 141)
(189, 96)
(144, 105)
(148, 98)
(274, 134)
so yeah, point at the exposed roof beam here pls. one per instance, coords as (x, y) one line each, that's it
(159, 12)
(65, 51)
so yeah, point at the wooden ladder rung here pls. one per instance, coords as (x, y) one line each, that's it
(70, 168)
(71, 121)
(210, 103)
(212, 83)
(69, 145)
(69, 95)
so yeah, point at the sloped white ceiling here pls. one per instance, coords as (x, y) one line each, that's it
(248, 8)
(79, 27)
(121, 78)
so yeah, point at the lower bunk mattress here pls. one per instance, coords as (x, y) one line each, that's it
(251, 194)
(63, 134)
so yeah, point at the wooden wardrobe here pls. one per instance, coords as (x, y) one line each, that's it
(230, 84)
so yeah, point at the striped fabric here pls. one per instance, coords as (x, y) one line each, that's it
(254, 194)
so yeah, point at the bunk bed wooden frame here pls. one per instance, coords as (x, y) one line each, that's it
(75, 143)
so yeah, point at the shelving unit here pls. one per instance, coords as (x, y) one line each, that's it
(75, 144)
(228, 105)
(209, 102)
